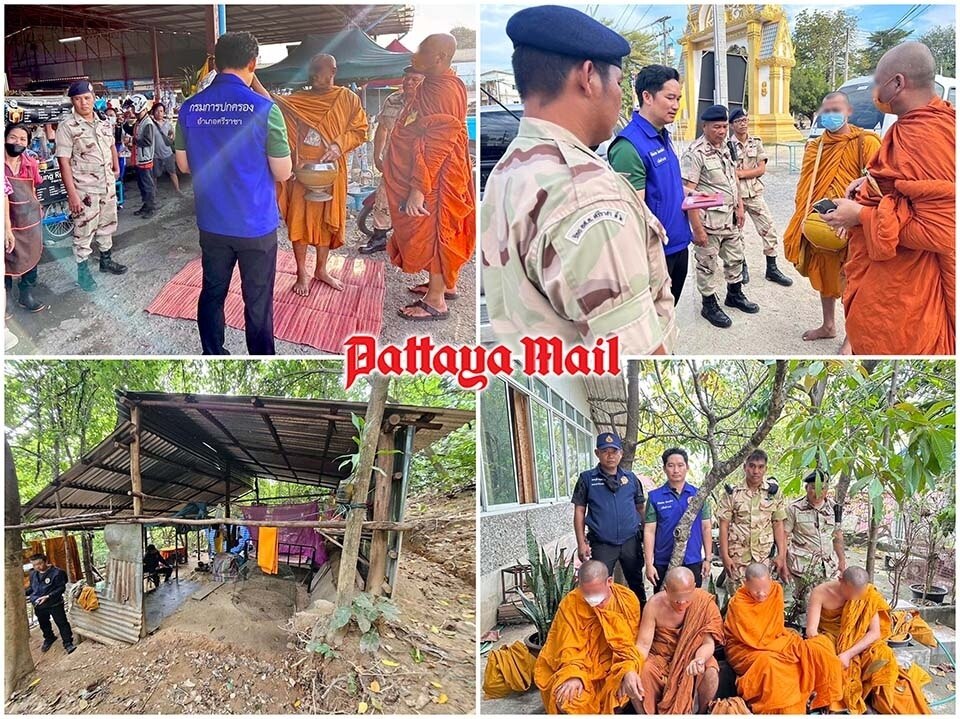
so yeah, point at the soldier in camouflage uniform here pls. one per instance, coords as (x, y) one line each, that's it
(751, 161)
(89, 166)
(814, 538)
(568, 249)
(706, 166)
(751, 519)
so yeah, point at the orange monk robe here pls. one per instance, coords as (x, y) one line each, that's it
(596, 645)
(509, 669)
(907, 696)
(339, 118)
(429, 152)
(843, 159)
(777, 670)
(901, 271)
(664, 672)
(875, 668)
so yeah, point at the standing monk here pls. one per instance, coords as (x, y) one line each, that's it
(429, 180)
(324, 123)
(901, 270)
(679, 631)
(777, 670)
(843, 152)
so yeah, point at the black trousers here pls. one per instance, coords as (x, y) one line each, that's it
(155, 574)
(59, 614)
(696, 568)
(677, 264)
(27, 279)
(147, 182)
(631, 561)
(257, 257)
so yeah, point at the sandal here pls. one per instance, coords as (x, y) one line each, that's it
(432, 313)
(422, 291)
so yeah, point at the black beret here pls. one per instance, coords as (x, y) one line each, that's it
(714, 113)
(565, 31)
(736, 114)
(79, 88)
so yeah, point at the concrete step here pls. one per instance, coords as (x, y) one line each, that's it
(947, 636)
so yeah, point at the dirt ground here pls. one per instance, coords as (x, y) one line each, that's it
(112, 320)
(235, 652)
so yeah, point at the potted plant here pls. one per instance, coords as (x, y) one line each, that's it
(551, 579)
(803, 585)
(938, 539)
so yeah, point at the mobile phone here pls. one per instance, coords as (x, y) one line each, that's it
(824, 206)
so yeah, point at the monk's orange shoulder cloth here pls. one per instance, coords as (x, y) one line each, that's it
(777, 670)
(596, 645)
(702, 618)
(429, 151)
(901, 268)
(509, 669)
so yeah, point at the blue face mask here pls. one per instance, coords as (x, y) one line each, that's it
(832, 121)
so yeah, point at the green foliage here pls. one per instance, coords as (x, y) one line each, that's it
(942, 41)
(807, 89)
(369, 614)
(466, 37)
(880, 41)
(551, 579)
(321, 648)
(820, 42)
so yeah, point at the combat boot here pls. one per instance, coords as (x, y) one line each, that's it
(84, 278)
(736, 298)
(27, 300)
(746, 274)
(377, 243)
(713, 314)
(108, 265)
(775, 275)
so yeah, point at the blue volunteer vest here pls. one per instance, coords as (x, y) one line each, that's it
(664, 192)
(612, 516)
(669, 508)
(225, 131)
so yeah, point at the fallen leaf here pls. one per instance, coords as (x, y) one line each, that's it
(442, 699)
(437, 685)
(34, 683)
(435, 629)
(375, 686)
(362, 708)
(296, 704)
(386, 663)
(444, 602)
(951, 686)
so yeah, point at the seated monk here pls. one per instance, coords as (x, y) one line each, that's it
(428, 175)
(590, 647)
(901, 268)
(856, 619)
(777, 670)
(324, 124)
(680, 629)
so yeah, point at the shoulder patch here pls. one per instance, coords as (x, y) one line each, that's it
(591, 218)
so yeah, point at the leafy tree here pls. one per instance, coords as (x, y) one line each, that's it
(821, 40)
(880, 41)
(942, 41)
(466, 37)
(807, 89)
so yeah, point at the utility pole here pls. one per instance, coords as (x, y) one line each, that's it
(664, 36)
(719, 55)
(846, 58)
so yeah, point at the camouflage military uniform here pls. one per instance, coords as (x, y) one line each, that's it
(750, 154)
(751, 514)
(810, 534)
(389, 112)
(569, 251)
(89, 145)
(712, 170)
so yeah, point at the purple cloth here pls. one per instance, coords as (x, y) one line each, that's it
(296, 543)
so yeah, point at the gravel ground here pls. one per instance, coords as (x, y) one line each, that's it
(112, 321)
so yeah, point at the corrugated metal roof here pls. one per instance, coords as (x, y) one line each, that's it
(187, 441)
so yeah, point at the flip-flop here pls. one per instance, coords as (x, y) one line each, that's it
(446, 295)
(433, 314)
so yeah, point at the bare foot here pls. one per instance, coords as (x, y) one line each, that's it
(328, 279)
(845, 348)
(821, 333)
(450, 293)
(302, 285)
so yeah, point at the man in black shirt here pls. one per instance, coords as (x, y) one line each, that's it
(47, 585)
(154, 565)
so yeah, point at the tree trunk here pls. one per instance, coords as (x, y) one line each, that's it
(18, 662)
(633, 414)
(872, 535)
(875, 517)
(721, 469)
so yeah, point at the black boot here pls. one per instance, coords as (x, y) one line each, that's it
(108, 265)
(143, 208)
(84, 278)
(713, 314)
(746, 274)
(27, 300)
(736, 298)
(775, 275)
(377, 243)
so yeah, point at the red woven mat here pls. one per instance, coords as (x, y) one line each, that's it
(323, 320)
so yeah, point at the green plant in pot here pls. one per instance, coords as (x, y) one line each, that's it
(551, 579)
(803, 582)
(939, 541)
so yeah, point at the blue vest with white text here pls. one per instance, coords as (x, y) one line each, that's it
(670, 508)
(612, 517)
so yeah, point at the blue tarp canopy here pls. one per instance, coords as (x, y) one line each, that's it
(359, 59)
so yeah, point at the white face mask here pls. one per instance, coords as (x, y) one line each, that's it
(594, 600)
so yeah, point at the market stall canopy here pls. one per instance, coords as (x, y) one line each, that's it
(187, 442)
(394, 46)
(358, 59)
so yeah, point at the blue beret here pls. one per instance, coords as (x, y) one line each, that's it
(607, 440)
(737, 113)
(565, 31)
(714, 113)
(79, 88)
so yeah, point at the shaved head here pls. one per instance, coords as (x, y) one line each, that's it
(856, 577)
(911, 59)
(593, 571)
(678, 587)
(756, 570)
(836, 96)
(596, 584)
(757, 581)
(434, 54)
(323, 69)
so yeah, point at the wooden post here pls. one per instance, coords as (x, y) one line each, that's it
(136, 482)
(227, 541)
(86, 547)
(256, 489)
(381, 513)
(66, 540)
(361, 485)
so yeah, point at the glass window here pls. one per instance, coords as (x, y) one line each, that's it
(543, 458)
(520, 378)
(952, 96)
(541, 390)
(571, 412)
(559, 455)
(500, 475)
(586, 458)
(557, 401)
(573, 457)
